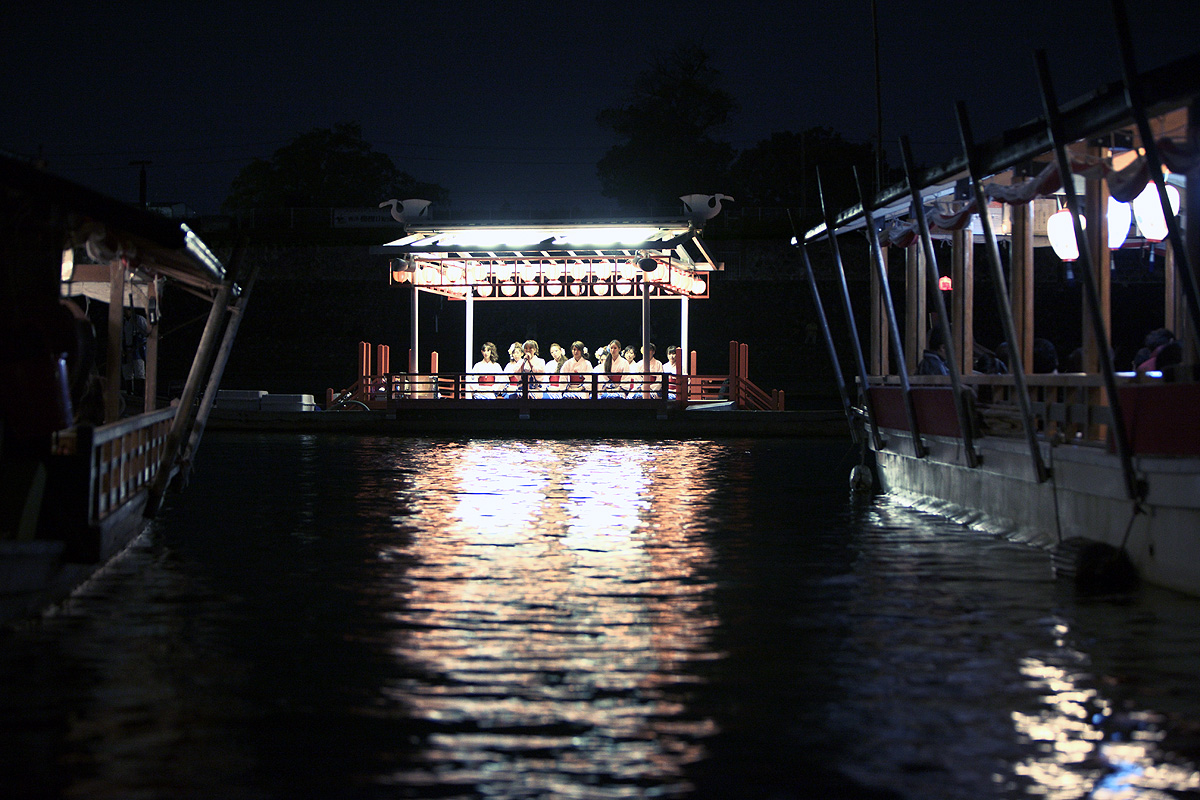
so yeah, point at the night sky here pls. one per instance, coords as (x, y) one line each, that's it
(497, 101)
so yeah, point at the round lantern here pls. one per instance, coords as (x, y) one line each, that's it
(1148, 211)
(1061, 232)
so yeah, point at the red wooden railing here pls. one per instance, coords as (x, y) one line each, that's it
(377, 388)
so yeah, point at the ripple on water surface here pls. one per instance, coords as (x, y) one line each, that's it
(362, 617)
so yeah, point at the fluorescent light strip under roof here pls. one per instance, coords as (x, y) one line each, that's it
(526, 238)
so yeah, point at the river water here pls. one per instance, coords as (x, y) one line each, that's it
(352, 617)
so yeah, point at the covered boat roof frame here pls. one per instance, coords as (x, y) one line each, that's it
(571, 259)
(1163, 89)
(109, 229)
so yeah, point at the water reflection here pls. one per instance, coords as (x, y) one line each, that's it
(1087, 748)
(965, 681)
(552, 602)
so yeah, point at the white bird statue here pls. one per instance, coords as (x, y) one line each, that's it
(405, 211)
(703, 207)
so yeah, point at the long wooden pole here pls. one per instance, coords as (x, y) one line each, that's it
(864, 387)
(1133, 486)
(236, 314)
(931, 277)
(1003, 307)
(847, 406)
(910, 410)
(1133, 96)
(182, 423)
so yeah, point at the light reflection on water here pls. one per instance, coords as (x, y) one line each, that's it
(992, 667)
(366, 617)
(551, 611)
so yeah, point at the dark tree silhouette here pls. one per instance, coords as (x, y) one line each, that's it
(325, 167)
(781, 171)
(666, 125)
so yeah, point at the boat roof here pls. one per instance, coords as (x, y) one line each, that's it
(108, 228)
(1105, 110)
(542, 259)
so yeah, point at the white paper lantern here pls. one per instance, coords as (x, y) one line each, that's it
(1120, 215)
(1061, 232)
(1148, 211)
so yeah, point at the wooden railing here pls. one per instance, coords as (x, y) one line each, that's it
(1075, 406)
(377, 392)
(122, 457)
(378, 388)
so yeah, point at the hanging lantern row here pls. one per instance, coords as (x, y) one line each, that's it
(1145, 210)
(578, 278)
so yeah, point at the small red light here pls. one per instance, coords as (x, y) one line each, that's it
(944, 283)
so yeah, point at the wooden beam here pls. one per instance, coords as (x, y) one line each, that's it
(150, 398)
(116, 323)
(1022, 282)
(877, 344)
(962, 314)
(1095, 210)
(915, 317)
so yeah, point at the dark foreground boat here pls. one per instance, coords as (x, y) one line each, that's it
(1099, 464)
(79, 476)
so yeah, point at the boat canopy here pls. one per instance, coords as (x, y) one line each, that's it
(108, 230)
(1165, 89)
(573, 260)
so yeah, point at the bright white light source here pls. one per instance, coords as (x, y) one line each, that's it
(1061, 232)
(1119, 216)
(608, 235)
(1148, 211)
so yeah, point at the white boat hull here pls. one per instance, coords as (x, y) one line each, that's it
(1085, 497)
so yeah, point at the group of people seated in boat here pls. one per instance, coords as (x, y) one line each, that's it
(617, 374)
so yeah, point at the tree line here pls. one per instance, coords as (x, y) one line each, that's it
(668, 146)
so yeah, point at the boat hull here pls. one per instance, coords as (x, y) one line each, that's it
(1084, 498)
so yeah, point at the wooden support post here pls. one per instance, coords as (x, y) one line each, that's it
(1022, 281)
(116, 322)
(432, 386)
(1095, 207)
(382, 361)
(693, 387)
(877, 342)
(1185, 325)
(150, 395)
(365, 384)
(916, 318)
(962, 315)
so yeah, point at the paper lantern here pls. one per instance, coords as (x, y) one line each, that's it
(1061, 232)
(1119, 216)
(1148, 211)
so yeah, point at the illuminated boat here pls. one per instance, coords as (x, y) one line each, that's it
(81, 476)
(1099, 465)
(627, 261)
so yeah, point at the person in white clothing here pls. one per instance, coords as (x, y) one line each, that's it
(643, 385)
(671, 368)
(575, 371)
(482, 379)
(513, 367)
(614, 367)
(557, 357)
(534, 366)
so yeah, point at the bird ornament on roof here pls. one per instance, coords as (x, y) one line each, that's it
(405, 211)
(703, 207)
